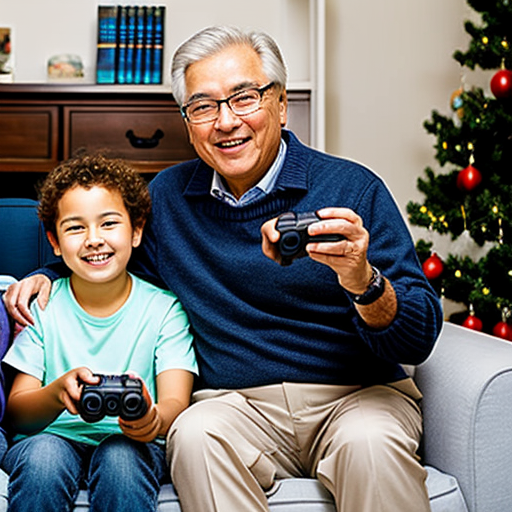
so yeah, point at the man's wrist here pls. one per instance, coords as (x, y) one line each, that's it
(373, 292)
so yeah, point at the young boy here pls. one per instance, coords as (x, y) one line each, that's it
(100, 320)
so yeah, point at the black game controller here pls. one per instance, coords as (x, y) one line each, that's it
(294, 235)
(114, 395)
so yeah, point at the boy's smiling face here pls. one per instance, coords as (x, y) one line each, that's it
(95, 236)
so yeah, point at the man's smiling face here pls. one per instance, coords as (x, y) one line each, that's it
(240, 148)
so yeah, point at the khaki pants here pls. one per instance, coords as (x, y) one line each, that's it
(229, 447)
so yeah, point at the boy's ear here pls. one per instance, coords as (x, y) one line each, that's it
(137, 235)
(54, 243)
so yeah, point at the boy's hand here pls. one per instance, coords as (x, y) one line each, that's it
(71, 384)
(144, 429)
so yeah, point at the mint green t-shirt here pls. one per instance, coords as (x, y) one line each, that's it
(147, 335)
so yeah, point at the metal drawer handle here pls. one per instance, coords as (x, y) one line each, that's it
(143, 143)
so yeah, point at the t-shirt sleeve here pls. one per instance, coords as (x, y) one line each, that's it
(175, 342)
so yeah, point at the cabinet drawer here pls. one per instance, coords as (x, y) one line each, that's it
(156, 136)
(28, 135)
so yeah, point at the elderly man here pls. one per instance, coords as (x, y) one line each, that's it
(300, 365)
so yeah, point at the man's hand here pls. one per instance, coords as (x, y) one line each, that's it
(347, 258)
(18, 296)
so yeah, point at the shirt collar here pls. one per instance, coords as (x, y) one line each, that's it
(262, 188)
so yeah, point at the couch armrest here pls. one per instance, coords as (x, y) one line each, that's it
(467, 405)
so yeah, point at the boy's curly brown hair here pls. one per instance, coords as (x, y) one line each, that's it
(88, 171)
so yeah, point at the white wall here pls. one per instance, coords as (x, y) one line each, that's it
(389, 64)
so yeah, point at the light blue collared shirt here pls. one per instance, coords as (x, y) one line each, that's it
(262, 188)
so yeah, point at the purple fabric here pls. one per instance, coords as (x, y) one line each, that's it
(5, 336)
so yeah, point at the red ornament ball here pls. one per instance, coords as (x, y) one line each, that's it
(503, 330)
(433, 267)
(501, 84)
(469, 178)
(473, 322)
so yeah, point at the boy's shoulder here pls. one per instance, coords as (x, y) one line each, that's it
(148, 291)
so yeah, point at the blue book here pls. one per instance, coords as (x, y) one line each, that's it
(158, 46)
(148, 45)
(130, 44)
(122, 38)
(107, 44)
(138, 61)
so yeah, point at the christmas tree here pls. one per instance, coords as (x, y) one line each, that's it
(470, 197)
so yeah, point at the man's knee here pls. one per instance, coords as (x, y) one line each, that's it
(196, 427)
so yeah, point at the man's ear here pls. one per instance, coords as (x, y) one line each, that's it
(54, 243)
(283, 108)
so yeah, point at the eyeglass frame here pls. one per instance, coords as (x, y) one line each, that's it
(260, 90)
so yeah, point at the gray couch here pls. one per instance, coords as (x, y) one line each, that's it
(467, 388)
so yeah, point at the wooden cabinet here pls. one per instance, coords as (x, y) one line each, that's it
(43, 124)
(29, 137)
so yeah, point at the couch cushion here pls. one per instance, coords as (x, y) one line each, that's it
(444, 492)
(309, 495)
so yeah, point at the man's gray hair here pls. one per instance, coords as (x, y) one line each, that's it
(212, 40)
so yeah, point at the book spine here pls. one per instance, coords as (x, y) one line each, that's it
(148, 45)
(158, 47)
(122, 37)
(107, 39)
(138, 64)
(130, 44)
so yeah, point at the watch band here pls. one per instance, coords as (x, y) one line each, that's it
(373, 292)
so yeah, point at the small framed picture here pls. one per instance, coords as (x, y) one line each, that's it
(6, 55)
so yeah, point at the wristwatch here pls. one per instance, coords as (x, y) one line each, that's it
(373, 292)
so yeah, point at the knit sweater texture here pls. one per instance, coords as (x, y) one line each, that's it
(257, 323)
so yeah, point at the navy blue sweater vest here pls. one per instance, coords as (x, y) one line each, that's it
(257, 323)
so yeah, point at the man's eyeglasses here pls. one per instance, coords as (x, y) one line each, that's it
(241, 103)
